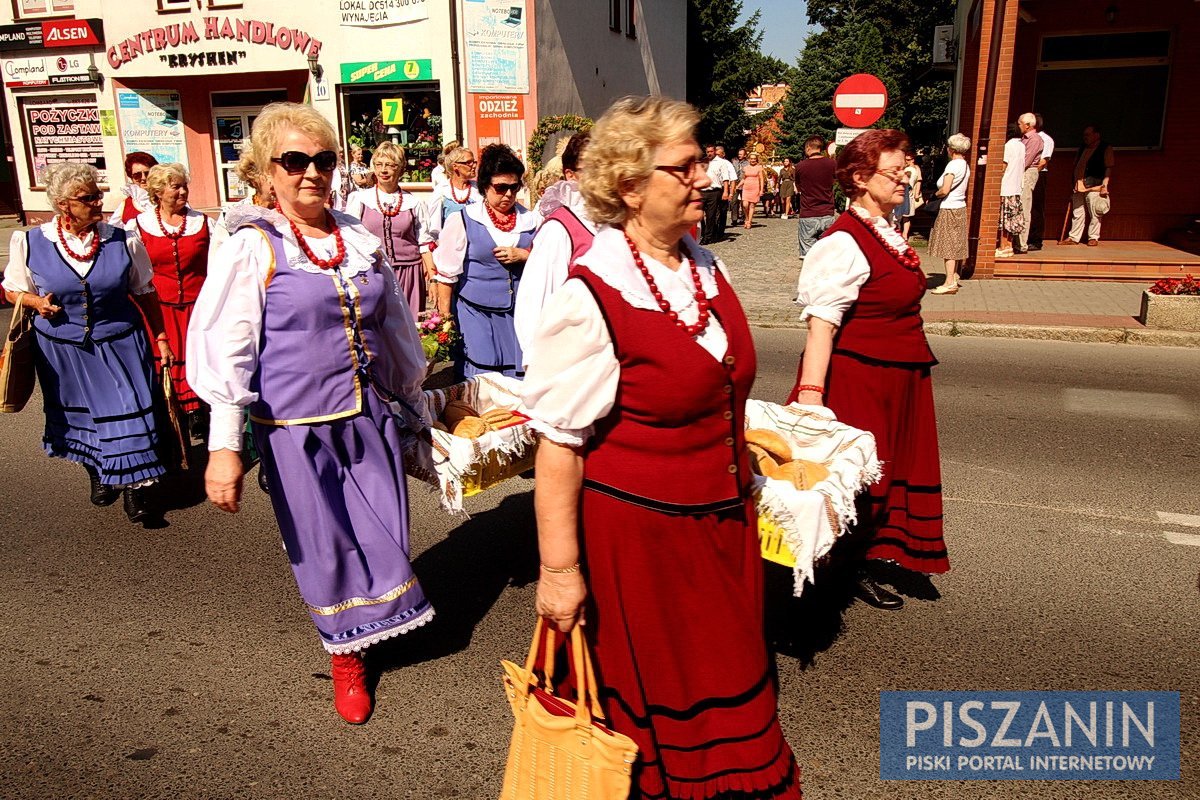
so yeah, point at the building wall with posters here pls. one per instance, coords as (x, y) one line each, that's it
(184, 79)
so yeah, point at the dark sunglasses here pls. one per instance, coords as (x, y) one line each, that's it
(140, 176)
(295, 162)
(88, 199)
(506, 188)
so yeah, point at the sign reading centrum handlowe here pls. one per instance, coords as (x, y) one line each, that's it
(415, 69)
(1029, 736)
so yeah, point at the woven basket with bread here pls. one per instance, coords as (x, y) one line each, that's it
(479, 438)
(811, 467)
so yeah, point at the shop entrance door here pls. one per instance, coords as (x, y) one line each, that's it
(231, 129)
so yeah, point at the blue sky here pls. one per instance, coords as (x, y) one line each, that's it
(784, 23)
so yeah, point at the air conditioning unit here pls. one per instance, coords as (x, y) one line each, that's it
(945, 45)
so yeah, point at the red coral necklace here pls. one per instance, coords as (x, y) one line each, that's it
(387, 209)
(454, 195)
(93, 248)
(701, 300)
(908, 259)
(503, 223)
(323, 263)
(173, 236)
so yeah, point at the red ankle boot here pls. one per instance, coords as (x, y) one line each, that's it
(350, 695)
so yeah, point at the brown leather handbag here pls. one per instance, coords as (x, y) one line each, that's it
(559, 751)
(16, 361)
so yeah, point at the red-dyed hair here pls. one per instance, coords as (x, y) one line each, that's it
(862, 155)
(145, 159)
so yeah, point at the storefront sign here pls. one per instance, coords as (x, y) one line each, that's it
(151, 123)
(377, 13)
(392, 111)
(50, 71)
(496, 39)
(62, 129)
(52, 33)
(417, 69)
(499, 118)
(213, 29)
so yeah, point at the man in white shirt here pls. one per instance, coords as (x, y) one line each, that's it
(722, 175)
(1037, 222)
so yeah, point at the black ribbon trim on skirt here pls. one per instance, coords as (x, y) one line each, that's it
(915, 488)
(662, 506)
(909, 533)
(89, 339)
(718, 742)
(692, 711)
(124, 417)
(788, 780)
(920, 366)
(927, 554)
(492, 367)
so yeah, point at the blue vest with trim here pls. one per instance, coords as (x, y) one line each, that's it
(486, 283)
(95, 306)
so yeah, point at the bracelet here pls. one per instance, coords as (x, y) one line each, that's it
(162, 337)
(571, 570)
(808, 387)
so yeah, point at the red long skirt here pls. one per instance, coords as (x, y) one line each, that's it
(902, 517)
(175, 324)
(676, 620)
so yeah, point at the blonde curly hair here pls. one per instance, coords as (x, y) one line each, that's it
(620, 152)
(163, 175)
(274, 121)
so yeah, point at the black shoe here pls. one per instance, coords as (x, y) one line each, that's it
(1033, 248)
(136, 506)
(262, 479)
(875, 595)
(101, 495)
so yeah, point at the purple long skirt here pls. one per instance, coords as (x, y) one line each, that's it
(411, 278)
(340, 497)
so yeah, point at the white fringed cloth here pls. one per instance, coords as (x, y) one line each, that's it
(811, 520)
(446, 460)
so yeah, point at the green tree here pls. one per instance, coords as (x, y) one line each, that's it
(724, 64)
(919, 96)
(829, 57)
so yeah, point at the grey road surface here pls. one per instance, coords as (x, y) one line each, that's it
(178, 662)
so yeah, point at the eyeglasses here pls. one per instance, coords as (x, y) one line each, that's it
(684, 173)
(464, 163)
(88, 199)
(294, 162)
(506, 188)
(140, 176)
(894, 175)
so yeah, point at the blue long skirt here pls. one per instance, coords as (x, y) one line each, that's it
(99, 405)
(489, 342)
(341, 501)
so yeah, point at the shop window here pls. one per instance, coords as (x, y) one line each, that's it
(1078, 75)
(614, 15)
(410, 116)
(23, 9)
(61, 128)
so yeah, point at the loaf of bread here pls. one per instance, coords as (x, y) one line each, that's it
(761, 461)
(438, 426)
(456, 411)
(772, 442)
(471, 427)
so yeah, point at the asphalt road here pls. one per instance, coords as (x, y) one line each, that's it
(179, 663)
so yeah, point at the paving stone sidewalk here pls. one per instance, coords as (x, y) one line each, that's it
(764, 265)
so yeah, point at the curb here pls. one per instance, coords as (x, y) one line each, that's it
(1148, 337)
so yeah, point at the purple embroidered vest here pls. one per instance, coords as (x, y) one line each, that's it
(320, 333)
(486, 283)
(398, 234)
(95, 306)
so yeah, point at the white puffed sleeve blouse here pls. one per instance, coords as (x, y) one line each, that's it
(572, 375)
(835, 269)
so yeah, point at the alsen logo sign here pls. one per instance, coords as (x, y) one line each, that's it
(1029, 736)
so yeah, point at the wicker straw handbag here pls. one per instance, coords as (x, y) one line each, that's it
(558, 750)
(16, 361)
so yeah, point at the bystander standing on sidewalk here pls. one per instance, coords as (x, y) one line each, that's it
(1033, 157)
(814, 184)
(1012, 220)
(1037, 219)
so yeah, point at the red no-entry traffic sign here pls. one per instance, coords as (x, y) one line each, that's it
(860, 100)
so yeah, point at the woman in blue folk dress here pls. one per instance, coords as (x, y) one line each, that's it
(93, 357)
(480, 256)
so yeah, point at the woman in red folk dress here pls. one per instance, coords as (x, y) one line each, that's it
(177, 240)
(867, 359)
(638, 377)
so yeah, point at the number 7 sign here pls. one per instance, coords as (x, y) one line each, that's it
(393, 112)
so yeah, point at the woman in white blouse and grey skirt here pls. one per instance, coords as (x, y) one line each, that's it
(638, 377)
(867, 359)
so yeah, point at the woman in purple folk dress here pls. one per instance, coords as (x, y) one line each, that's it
(285, 293)
(392, 214)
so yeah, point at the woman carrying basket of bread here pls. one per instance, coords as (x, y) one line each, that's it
(866, 358)
(638, 377)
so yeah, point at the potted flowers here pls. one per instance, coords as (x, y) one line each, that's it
(1172, 304)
